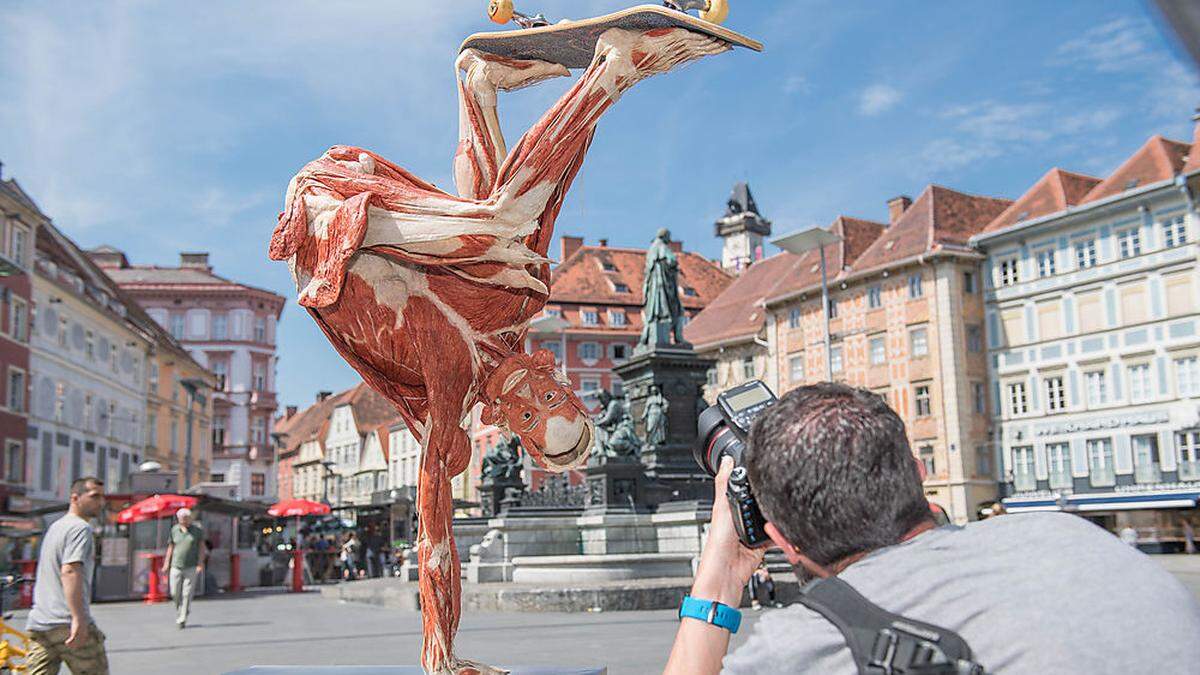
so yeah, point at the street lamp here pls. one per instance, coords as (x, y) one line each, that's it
(193, 387)
(799, 243)
(328, 465)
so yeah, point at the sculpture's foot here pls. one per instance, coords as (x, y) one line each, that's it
(455, 666)
(487, 73)
(656, 51)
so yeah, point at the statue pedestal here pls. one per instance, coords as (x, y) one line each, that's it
(493, 494)
(615, 486)
(680, 374)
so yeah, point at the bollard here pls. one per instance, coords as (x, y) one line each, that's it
(28, 570)
(297, 570)
(154, 592)
(235, 569)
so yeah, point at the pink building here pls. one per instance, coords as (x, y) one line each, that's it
(228, 328)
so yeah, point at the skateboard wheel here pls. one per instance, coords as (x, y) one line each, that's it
(500, 11)
(716, 12)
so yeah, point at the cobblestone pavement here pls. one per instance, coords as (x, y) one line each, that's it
(293, 629)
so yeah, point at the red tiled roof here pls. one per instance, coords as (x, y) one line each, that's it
(939, 217)
(857, 236)
(1193, 158)
(143, 277)
(738, 311)
(1055, 191)
(582, 277)
(371, 410)
(372, 414)
(307, 424)
(1157, 160)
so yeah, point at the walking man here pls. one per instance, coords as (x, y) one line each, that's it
(60, 623)
(185, 557)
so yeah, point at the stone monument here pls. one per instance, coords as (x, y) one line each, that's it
(663, 380)
(615, 479)
(500, 476)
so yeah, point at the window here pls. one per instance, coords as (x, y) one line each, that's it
(555, 348)
(974, 338)
(918, 340)
(217, 477)
(620, 287)
(18, 319)
(220, 328)
(924, 406)
(1100, 462)
(1059, 457)
(914, 286)
(796, 368)
(1174, 232)
(1008, 271)
(589, 384)
(1097, 389)
(1180, 299)
(220, 368)
(260, 329)
(978, 398)
(1023, 476)
(1085, 253)
(62, 332)
(878, 348)
(1135, 305)
(218, 431)
(1187, 444)
(153, 374)
(554, 311)
(20, 244)
(983, 461)
(1049, 317)
(969, 285)
(589, 351)
(1139, 383)
(1013, 321)
(177, 326)
(174, 435)
(927, 459)
(616, 317)
(590, 317)
(748, 367)
(89, 345)
(1056, 398)
(794, 317)
(260, 376)
(1145, 458)
(1129, 242)
(258, 430)
(60, 401)
(1046, 262)
(833, 308)
(875, 296)
(835, 359)
(1018, 404)
(689, 291)
(16, 390)
(152, 429)
(1091, 312)
(1187, 376)
(258, 484)
(618, 352)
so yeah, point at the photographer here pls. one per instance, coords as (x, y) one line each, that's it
(841, 493)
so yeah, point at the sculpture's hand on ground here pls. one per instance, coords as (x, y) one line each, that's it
(491, 73)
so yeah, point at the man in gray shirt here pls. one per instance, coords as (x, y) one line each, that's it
(60, 623)
(841, 491)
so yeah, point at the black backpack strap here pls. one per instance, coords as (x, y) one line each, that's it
(884, 643)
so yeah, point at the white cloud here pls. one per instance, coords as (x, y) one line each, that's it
(878, 98)
(1119, 45)
(797, 84)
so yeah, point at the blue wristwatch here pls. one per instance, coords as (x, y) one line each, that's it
(710, 611)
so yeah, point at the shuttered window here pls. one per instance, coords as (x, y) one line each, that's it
(1049, 320)
(1014, 326)
(1135, 306)
(1091, 312)
(1180, 298)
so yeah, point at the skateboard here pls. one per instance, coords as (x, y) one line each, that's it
(572, 43)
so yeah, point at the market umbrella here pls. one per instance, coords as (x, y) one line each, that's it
(158, 506)
(298, 507)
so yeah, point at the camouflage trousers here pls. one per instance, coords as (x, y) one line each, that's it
(47, 652)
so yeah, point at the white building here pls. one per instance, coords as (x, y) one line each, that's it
(1094, 343)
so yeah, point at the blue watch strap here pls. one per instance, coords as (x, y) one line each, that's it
(712, 612)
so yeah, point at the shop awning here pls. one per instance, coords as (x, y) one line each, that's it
(1105, 501)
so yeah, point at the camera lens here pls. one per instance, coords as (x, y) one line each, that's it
(716, 439)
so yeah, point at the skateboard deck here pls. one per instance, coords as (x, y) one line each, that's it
(573, 42)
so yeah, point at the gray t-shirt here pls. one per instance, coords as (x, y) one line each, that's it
(69, 539)
(1031, 593)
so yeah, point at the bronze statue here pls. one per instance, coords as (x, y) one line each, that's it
(615, 438)
(654, 416)
(503, 462)
(662, 314)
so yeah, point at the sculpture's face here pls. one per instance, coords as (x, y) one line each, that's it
(532, 399)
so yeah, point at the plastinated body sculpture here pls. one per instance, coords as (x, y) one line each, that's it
(429, 295)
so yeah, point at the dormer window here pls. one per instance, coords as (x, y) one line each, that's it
(616, 317)
(590, 317)
(607, 266)
(689, 291)
(620, 287)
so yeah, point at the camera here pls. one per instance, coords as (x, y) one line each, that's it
(723, 428)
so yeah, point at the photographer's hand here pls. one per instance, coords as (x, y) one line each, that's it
(725, 568)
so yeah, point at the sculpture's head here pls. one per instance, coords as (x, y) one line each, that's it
(664, 234)
(530, 397)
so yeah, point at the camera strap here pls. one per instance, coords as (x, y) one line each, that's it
(884, 643)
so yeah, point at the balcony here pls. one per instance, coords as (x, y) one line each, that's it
(1189, 470)
(1061, 480)
(1102, 476)
(1147, 473)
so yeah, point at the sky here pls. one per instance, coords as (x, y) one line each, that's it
(158, 127)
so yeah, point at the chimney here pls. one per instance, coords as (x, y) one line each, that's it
(107, 257)
(569, 246)
(322, 395)
(897, 206)
(1195, 132)
(291, 412)
(603, 243)
(676, 245)
(194, 261)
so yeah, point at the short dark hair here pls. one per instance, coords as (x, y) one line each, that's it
(832, 468)
(80, 485)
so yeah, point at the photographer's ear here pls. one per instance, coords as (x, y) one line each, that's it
(793, 555)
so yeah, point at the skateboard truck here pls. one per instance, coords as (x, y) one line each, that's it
(501, 11)
(713, 11)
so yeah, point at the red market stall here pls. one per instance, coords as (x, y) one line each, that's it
(298, 508)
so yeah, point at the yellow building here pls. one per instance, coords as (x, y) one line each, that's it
(174, 382)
